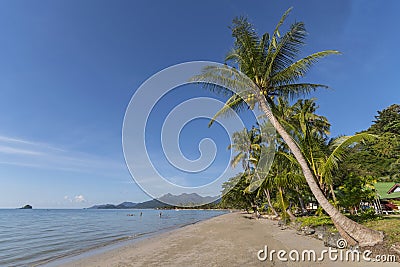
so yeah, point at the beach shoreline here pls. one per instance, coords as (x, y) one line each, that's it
(113, 245)
(232, 239)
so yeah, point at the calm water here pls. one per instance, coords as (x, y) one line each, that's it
(30, 237)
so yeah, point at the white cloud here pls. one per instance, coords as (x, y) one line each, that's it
(26, 153)
(79, 199)
(12, 150)
(76, 199)
(15, 140)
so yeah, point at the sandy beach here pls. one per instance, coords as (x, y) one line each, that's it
(227, 240)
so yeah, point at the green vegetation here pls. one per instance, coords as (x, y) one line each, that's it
(315, 221)
(354, 190)
(366, 216)
(381, 157)
(308, 166)
(390, 225)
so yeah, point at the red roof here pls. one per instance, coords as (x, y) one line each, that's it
(391, 190)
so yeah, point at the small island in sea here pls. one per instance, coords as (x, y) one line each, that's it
(26, 207)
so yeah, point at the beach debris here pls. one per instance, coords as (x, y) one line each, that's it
(306, 230)
(282, 225)
(395, 248)
(320, 236)
(332, 240)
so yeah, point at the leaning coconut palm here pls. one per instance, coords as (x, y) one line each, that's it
(308, 129)
(244, 143)
(260, 179)
(286, 179)
(269, 62)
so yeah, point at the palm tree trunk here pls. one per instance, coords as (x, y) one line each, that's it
(361, 234)
(282, 203)
(290, 213)
(254, 206)
(349, 239)
(267, 194)
(303, 207)
(333, 194)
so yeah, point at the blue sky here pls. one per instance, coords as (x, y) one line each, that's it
(69, 68)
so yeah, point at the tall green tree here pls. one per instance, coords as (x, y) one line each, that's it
(387, 120)
(233, 193)
(378, 157)
(354, 190)
(270, 62)
(309, 130)
(245, 143)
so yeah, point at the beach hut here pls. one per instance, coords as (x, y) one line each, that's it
(395, 189)
(388, 197)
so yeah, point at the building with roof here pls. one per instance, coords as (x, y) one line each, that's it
(388, 195)
(388, 190)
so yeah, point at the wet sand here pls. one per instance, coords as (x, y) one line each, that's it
(227, 240)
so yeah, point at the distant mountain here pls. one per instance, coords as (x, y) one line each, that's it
(184, 199)
(105, 206)
(152, 204)
(126, 205)
(166, 201)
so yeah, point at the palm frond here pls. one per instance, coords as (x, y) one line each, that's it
(234, 103)
(281, 21)
(287, 50)
(225, 78)
(246, 46)
(276, 33)
(339, 152)
(295, 90)
(237, 159)
(299, 68)
(289, 157)
(234, 55)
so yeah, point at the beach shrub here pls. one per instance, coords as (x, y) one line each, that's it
(320, 211)
(354, 190)
(366, 216)
(369, 215)
(315, 221)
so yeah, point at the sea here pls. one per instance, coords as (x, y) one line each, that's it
(45, 236)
